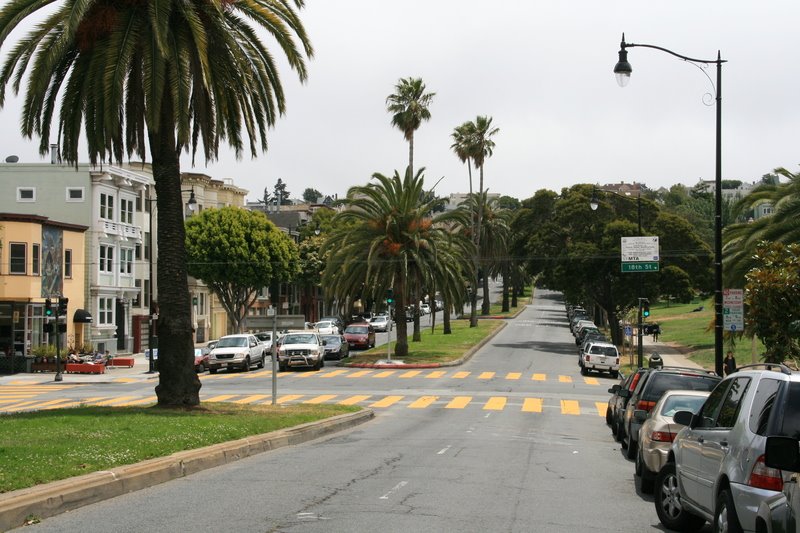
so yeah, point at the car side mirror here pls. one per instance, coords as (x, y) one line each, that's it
(640, 415)
(683, 418)
(614, 389)
(324, 343)
(782, 453)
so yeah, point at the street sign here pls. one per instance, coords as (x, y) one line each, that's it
(648, 266)
(628, 331)
(639, 249)
(733, 309)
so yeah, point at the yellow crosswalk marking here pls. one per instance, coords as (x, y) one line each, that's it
(601, 408)
(112, 401)
(384, 374)
(570, 407)
(252, 398)
(513, 375)
(591, 381)
(305, 374)
(322, 398)
(461, 375)
(288, 398)
(258, 374)
(360, 373)
(459, 402)
(220, 398)
(565, 379)
(539, 377)
(229, 375)
(140, 401)
(435, 374)
(352, 400)
(124, 380)
(422, 402)
(18, 406)
(486, 375)
(410, 374)
(387, 401)
(495, 403)
(334, 373)
(532, 405)
(15, 397)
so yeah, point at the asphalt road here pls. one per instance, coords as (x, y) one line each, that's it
(514, 440)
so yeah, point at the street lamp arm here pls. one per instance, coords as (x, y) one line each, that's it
(625, 45)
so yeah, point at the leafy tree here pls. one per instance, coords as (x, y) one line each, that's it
(311, 195)
(166, 75)
(771, 295)
(310, 264)
(731, 184)
(280, 194)
(237, 252)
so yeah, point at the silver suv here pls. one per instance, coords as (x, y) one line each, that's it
(716, 469)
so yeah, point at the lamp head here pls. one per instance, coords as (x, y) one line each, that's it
(192, 203)
(593, 203)
(623, 69)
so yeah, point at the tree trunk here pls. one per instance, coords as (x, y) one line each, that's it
(446, 326)
(506, 277)
(178, 384)
(401, 345)
(486, 305)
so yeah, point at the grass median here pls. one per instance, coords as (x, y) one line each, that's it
(44, 446)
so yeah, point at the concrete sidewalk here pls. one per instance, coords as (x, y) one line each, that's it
(671, 355)
(113, 374)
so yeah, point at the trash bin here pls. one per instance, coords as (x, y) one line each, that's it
(655, 360)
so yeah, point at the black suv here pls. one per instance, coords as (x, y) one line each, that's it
(652, 385)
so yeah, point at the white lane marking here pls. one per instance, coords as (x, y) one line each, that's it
(394, 489)
(443, 450)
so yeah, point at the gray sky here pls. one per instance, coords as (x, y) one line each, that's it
(543, 71)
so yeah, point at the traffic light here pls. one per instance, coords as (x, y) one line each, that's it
(48, 308)
(62, 306)
(646, 308)
(390, 296)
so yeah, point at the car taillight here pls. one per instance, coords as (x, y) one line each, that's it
(587, 357)
(764, 477)
(645, 405)
(662, 436)
(634, 381)
(617, 361)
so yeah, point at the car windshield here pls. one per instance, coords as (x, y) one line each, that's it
(323, 324)
(299, 339)
(676, 403)
(232, 342)
(357, 329)
(263, 336)
(332, 339)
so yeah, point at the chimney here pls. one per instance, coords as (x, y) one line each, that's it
(53, 154)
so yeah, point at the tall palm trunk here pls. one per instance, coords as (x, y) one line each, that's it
(178, 384)
(474, 313)
(401, 344)
(506, 282)
(487, 302)
(446, 326)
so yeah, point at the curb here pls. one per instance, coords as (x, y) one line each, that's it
(51, 499)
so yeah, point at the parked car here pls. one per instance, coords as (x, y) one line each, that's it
(301, 349)
(336, 346)
(652, 385)
(265, 338)
(581, 337)
(600, 357)
(659, 429)
(781, 513)
(335, 319)
(379, 323)
(360, 335)
(425, 309)
(581, 325)
(236, 351)
(620, 394)
(327, 327)
(716, 470)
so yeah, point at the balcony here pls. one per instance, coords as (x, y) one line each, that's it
(126, 231)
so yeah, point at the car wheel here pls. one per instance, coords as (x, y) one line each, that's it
(725, 518)
(614, 374)
(638, 464)
(261, 362)
(282, 367)
(199, 368)
(584, 371)
(321, 362)
(620, 433)
(212, 370)
(608, 416)
(246, 366)
(667, 499)
(633, 447)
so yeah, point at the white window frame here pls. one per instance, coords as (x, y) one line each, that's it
(105, 311)
(20, 190)
(126, 207)
(82, 197)
(126, 261)
(106, 258)
(107, 206)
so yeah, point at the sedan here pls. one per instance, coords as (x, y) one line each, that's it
(201, 359)
(659, 429)
(380, 323)
(326, 327)
(336, 346)
(360, 335)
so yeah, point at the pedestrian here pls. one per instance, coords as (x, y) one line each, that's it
(730, 363)
(656, 332)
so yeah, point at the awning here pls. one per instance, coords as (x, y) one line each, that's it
(82, 316)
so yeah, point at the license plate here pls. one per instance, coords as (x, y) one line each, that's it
(223, 365)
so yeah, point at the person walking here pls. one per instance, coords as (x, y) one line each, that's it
(730, 363)
(656, 332)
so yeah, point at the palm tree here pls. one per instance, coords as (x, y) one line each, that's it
(409, 107)
(163, 75)
(383, 239)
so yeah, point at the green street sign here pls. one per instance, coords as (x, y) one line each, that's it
(645, 266)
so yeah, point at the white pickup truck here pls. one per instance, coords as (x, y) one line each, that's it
(601, 357)
(237, 351)
(301, 349)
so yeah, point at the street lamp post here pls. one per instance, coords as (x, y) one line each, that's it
(594, 203)
(623, 71)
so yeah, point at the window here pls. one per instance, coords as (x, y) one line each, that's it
(26, 194)
(106, 206)
(733, 401)
(137, 300)
(147, 245)
(126, 261)
(35, 256)
(106, 258)
(74, 194)
(126, 211)
(137, 253)
(105, 307)
(763, 401)
(18, 258)
(67, 263)
(139, 204)
(146, 302)
(710, 409)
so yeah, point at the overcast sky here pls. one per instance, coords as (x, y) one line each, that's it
(543, 71)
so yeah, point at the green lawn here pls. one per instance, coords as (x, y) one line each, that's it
(44, 446)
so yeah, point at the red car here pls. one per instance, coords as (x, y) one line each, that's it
(360, 335)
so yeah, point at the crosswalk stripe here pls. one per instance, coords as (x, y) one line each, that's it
(513, 375)
(570, 407)
(459, 402)
(495, 403)
(384, 374)
(251, 399)
(591, 381)
(486, 375)
(539, 377)
(334, 373)
(352, 400)
(387, 401)
(565, 379)
(15, 397)
(360, 373)
(422, 402)
(321, 399)
(21, 405)
(220, 398)
(435, 374)
(305, 374)
(258, 374)
(461, 375)
(288, 398)
(601, 408)
(140, 401)
(112, 401)
(124, 380)
(410, 374)
(532, 405)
